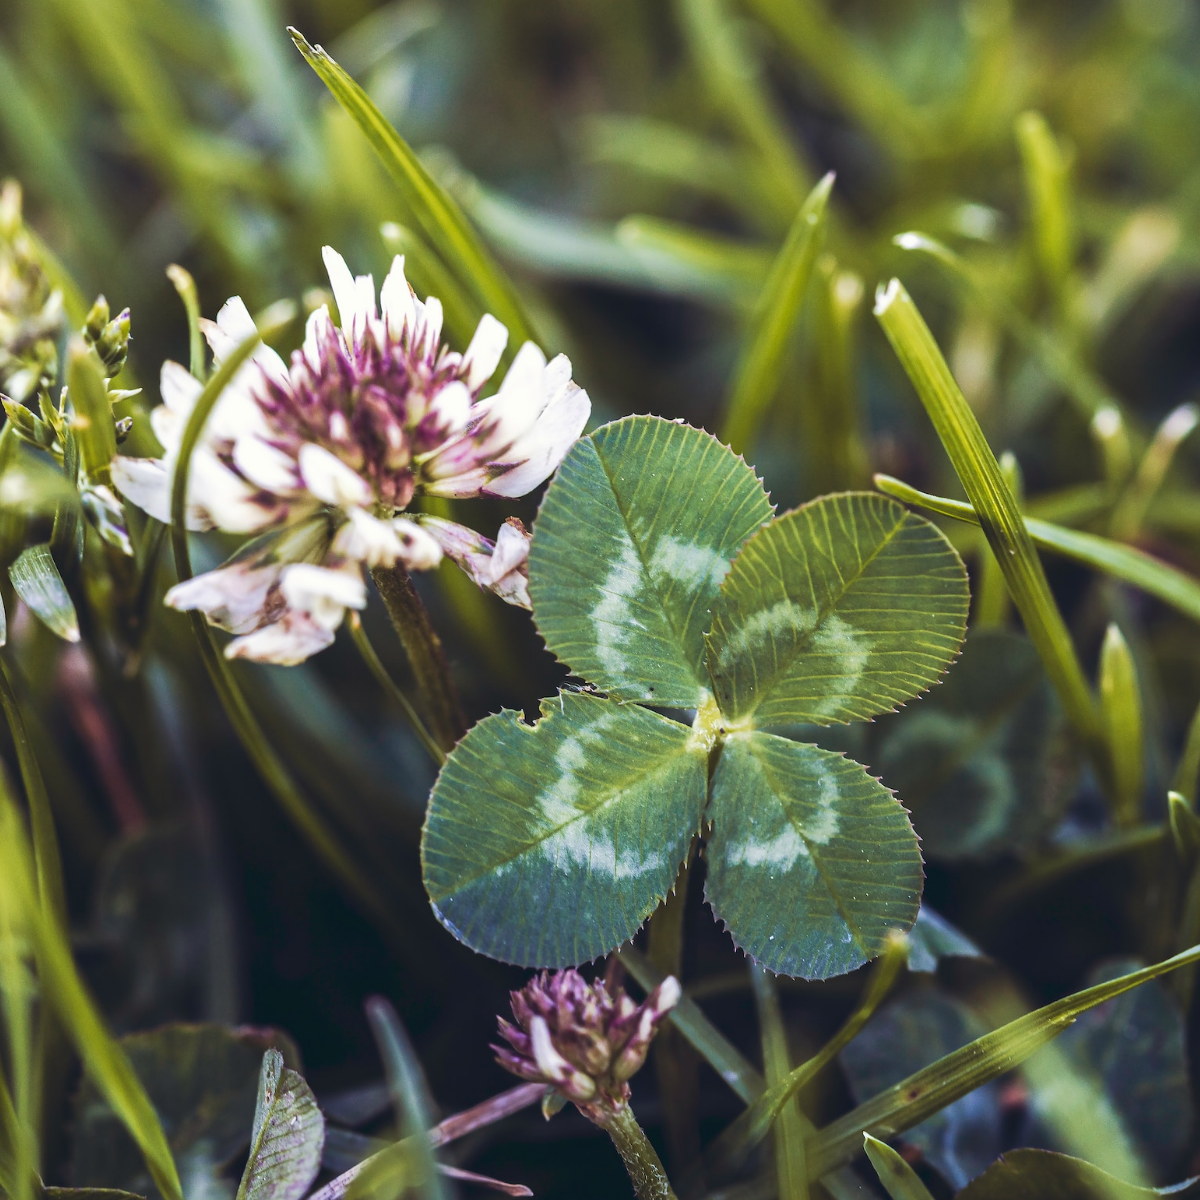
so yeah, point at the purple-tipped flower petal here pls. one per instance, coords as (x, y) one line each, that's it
(581, 1039)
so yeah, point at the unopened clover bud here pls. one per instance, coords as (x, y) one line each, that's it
(113, 343)
(122, 428)
(97, 318)
(582, 1039)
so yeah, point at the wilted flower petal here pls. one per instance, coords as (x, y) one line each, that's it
(501, 566)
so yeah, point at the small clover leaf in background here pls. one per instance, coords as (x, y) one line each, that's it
(986, 763)
(287, 1138)
(658, 575)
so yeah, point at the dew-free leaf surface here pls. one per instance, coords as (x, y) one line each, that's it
(288, 1135)
(838, 611)
(633, 540)
(811, 861)
(1044, 1175)
(549, 845)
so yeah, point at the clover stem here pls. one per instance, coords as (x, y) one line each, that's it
(645, 1169)
(424, 650)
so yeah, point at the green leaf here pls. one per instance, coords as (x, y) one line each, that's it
(1121, 711)
(630, 547)
(1126, 563)
(288, 1136)
(36, 580)
(1047, 173)
(548, 845)
(811, 862)
(900, 1180)
(928, 1091)
(88, 1193)
(431, 208)
(202, 1081)
(838, 611)
(103, 1059)
(760, 368)
(983, 764)
(1043, 1175)
(933, 938)
(981, 477)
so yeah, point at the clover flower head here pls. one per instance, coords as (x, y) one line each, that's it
(323, 455)
(581, 1039)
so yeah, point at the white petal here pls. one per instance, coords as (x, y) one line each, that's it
(323, 592)
(179, 388)
(290, 640)
(235, 321)
(452, 407)
(364, 293)
(431, 333)
(345, 291)
(232, 597)
(266, 466)
(231, 501)
(316, 329)
(168, 426)
(396, 299)
(519, 402)
(485, 351)
(330, 480)
(147, 483)
(557, 378)
(512, 550)
(367, 539)
(421, 551)
(536, 455)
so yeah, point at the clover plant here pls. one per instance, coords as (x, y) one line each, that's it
(661, 577)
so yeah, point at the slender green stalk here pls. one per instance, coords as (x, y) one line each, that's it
(790, 1168)
(16, 991)
(425, 655)
(675, 1063)
(319, 835)
(1130, 512)
(359, 636)
(645, 1169)
(1188, 770)
(1046, 186)
(755, 1123)
(185, 285)
(980, 474)
(48, 864)
(900, 1180)
(993, 603)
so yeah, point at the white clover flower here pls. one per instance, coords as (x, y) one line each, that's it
(323, 457)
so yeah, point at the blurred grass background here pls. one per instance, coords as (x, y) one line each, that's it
(636, 164)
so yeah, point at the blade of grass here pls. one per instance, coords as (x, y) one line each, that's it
(35, 578)
(789, 1132)
(731, 1148)
(48, 863)
(733, 77)
(1121, 708)
(272, 769)
(759, 371)
(431, 208)
(103, 1058)
(900, 1181)
(1089, 393)
(408, 1089)
(1130, 511)
(181, 279)
(1046, 172)
(1001, 520)
(1126, 563)
(1188, 771)
(708, 1041)
(92, 424)
(928, 1091)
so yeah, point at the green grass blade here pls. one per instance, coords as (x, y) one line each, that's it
(734, 79)
(760, 368)
(1121, 708)
(898, 1178)
(977, 468)
(1129, 513)
(1089, 393)
(1046, 187)
(755, 1123)
(103, 1058)
(35, 578)
(185, 285)
(704, 1037)
(437, 214)
(1187, 773)
(918, 1097)
(1126, 563)
(276, 775)
(46, 858)
(409, 1092)
(790, 1167)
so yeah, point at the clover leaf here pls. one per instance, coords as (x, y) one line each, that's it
(658, 576)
